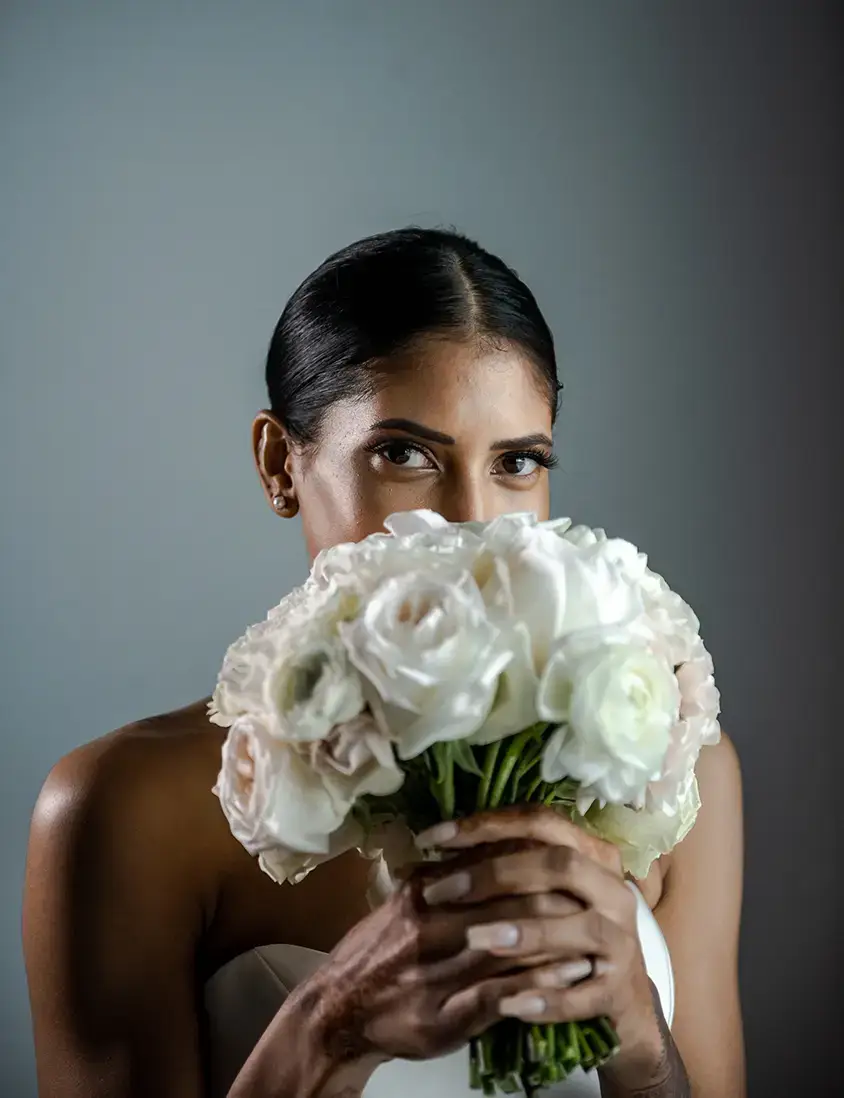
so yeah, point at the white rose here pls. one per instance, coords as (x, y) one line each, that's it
(356, 759)
(252, 658)
(292, 866)
(431, 656)
(616, 703)
(554, 587)
(269, 795)
(240, 683)
(642, 835)
(699, 696)
(584, 537)
(268, 668)
(313, 688)
(293, 797)
(391, 846)
(697, 727)
(417, 541)
(514, 704)
(244, 781)
(670, 624)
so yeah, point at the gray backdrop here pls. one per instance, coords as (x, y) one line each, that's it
(667, 177)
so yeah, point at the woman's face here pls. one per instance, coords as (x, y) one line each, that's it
(454, 428)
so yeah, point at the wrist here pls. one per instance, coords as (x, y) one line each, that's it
(647, 1065)
(303, 1053)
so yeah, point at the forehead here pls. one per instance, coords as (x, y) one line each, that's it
(463, 390)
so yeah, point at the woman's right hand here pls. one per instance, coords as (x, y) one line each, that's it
(403, 982)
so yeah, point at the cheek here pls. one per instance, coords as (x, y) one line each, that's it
(347, 504)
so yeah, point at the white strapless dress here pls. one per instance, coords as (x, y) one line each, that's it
(242, 998)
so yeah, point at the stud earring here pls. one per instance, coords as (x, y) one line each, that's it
(279, 503)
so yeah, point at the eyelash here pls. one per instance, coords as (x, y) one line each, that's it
(541, 457)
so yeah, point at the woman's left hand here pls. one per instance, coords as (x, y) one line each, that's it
(571, 921)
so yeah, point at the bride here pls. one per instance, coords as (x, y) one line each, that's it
(413, 369)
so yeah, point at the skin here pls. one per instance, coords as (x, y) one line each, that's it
(136, 891)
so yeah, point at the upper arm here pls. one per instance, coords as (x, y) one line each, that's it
(110, 926)
(699, 913)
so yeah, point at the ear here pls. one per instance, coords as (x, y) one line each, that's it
(273, 453)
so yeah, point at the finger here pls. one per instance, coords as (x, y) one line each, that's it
(591, 999)
(479, 1005)
(443, 929)
(465, 967)
(588, 933)
(541, 869)
(538, 822)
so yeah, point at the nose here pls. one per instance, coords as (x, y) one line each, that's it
(467, 498)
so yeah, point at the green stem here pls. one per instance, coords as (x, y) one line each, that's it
(448, 791)
(489, 769)
(506, 768)
(531, 757)
(532, 788)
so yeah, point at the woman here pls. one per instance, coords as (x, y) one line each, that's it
(411, 370)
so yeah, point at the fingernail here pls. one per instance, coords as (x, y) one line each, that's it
(492, 936)
(519, 1005)
(447, 889)
(440, 833)
(564, 975)
(601, 967)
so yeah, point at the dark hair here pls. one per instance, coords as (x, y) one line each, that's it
(379, 296)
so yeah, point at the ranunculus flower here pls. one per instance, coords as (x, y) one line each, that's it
(314, 688)
(431, 657)
(642, 835)
(263, 655)
(616, 703)
(292, 797)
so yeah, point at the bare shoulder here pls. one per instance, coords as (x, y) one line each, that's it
(150, 781)
(124, 856)
(130, 821)
(704, 872)
(127, 823)
(719, 772)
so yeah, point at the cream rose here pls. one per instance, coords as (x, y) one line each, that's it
(697, 727)
(291, 798)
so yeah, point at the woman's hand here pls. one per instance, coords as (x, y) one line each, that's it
(532, 919)
(529, 918)
(562, 865)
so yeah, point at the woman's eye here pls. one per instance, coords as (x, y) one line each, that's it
(519, 465)
(404, 456)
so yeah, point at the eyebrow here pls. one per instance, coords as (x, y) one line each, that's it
(410, 427)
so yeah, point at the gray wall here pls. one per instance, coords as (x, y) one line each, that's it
(666, 176)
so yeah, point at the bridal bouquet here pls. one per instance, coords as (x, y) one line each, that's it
(442, 668)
